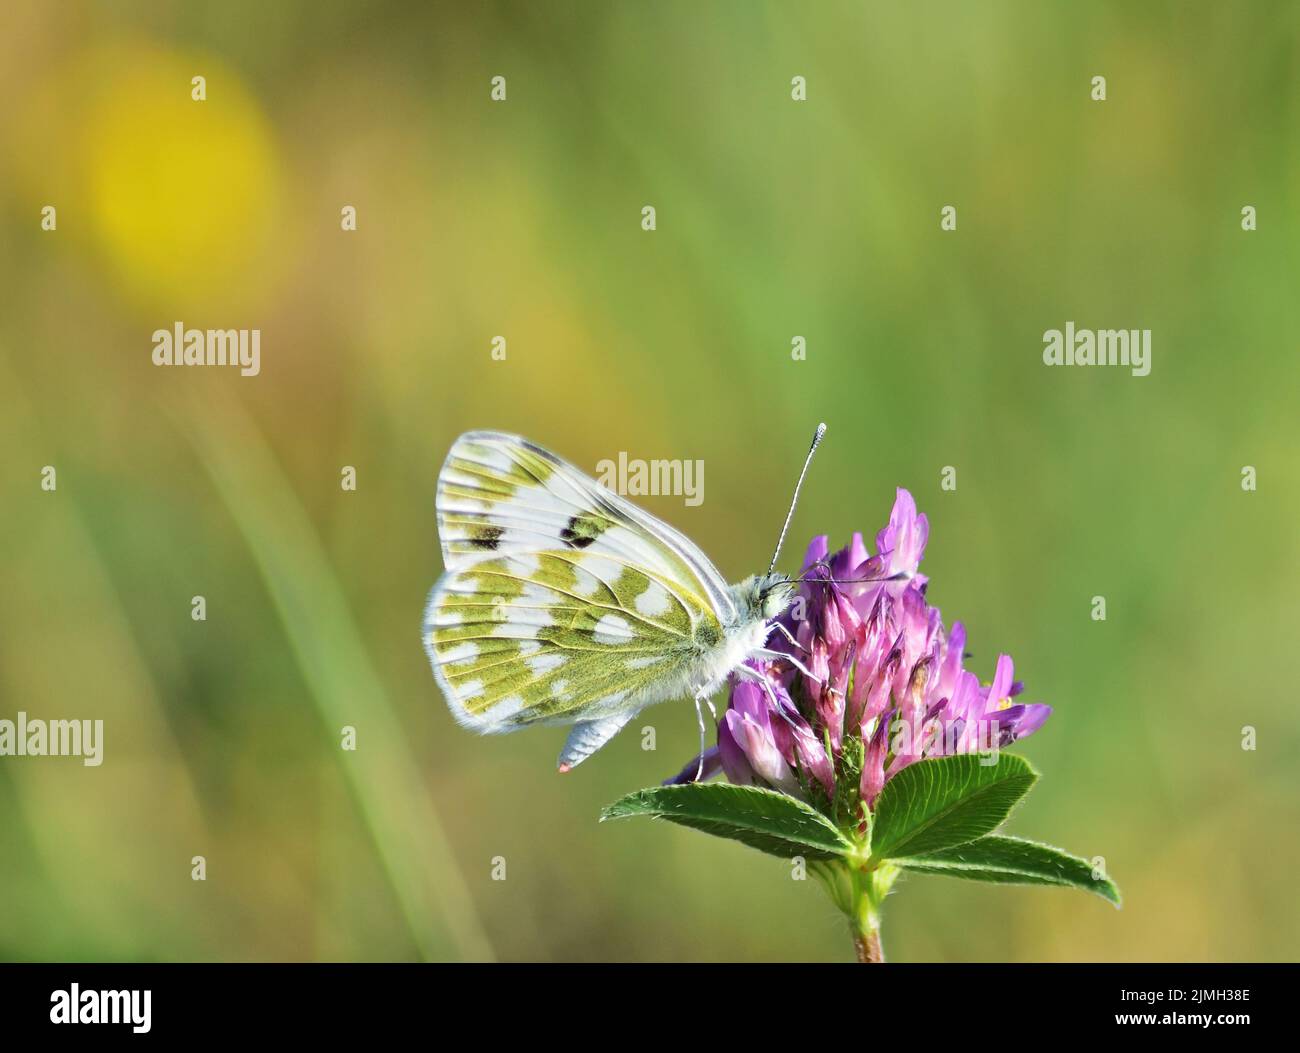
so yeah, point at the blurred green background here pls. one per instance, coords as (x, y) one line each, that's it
(776, 219)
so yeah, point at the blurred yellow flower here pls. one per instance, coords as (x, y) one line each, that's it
(180, 195)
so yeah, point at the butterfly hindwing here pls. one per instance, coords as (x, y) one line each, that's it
(558, 636)
(562, 602)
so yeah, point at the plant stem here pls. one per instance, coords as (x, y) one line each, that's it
(868, 946)
(859, 888)
(870, 887)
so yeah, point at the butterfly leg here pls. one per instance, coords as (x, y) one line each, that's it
(748, 674)
(699, 716)
(703, 695)
(788, 635)
(765, 653)
(709, 702)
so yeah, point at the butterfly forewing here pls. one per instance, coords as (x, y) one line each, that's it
(501, 493)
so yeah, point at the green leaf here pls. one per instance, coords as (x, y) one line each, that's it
(764, 819)
(935, 804)
(1013, 861)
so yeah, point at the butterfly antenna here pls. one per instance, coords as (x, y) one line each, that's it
(817, 438)
(902, 575)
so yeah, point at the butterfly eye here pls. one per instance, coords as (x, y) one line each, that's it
(776, 598)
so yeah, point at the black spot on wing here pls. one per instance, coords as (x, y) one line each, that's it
(485, 537)
(582, 530)
(574, 540)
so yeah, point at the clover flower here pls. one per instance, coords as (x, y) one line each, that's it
(873, 682)
(867, 748)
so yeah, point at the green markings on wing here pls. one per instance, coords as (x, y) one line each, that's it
(476, 484)
(480, 480)
(573, 595)
(525, 467)
(531, 637)
(549, 683)
(530, 461)
(501, 494)
(584, 528)
(496, 473)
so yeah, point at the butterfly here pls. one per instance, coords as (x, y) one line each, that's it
(564, 603)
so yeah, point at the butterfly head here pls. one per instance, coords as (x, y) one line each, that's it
(776, 593)
(764, 597)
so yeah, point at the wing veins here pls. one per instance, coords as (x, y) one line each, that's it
(619, 609)
(654, 575)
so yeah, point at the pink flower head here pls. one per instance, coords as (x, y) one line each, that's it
(873, 684)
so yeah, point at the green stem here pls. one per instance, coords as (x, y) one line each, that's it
(870, 887)
(859, 888)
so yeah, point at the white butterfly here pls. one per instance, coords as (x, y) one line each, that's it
(564, 603)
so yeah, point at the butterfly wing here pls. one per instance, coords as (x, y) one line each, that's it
(500, 493)
(562, 602)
